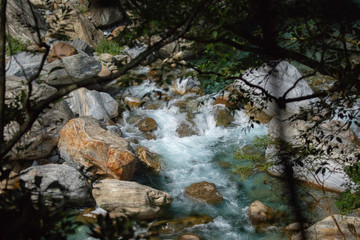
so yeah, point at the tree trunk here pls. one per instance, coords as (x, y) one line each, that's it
(2, 67)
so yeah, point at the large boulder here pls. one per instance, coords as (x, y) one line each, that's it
(69, 70)
(43, 136)
(100, 152)
(276, 81)
(78, 24)
(73, 187)
(99, 105)
(204, 191)
(22, 19)
(326, 169)
(130, 198)
(326, 229)
(105, 13)
(24, 64)
(222, 115)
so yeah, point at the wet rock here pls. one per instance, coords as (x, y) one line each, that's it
(260, 214)
(105, 13)
(183, 86)
(24, 64)
(327, 230)
(149, 159)
(222, 115)
(185, 130)
(204, 191)
(61, 50)
(99, 105)
(147, 124)
(130, 198)
(189, 237)
(132, 102)
(176, 225)
(100, 152)
(74, 187)
(293, 227)
(69, 70)
(20, 21)
(229, 100)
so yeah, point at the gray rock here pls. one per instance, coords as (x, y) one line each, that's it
(80, 45)
(75, 188)
(130, 198)
(20, 22)
(99, 105)
(343, 152)
(105, 13)
(24, 64)
(70, 70)
(326, 228)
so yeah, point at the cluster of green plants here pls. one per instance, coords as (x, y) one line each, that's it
(109, 46)
(349, 201)
(14, 45)
(252, 157)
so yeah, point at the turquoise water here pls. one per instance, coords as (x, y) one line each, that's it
(196, 158)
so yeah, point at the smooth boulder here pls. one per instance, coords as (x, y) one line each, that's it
(204, 191)
(130, 198)
(61, 50)
(69, 70)
(327, 230)
(100, 152)
(147, 124)
(72, 186)
(259, 213)
(99, 105)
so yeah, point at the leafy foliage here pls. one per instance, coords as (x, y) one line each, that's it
(108, 46)
(14, 45)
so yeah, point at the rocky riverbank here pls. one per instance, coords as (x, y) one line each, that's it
(95, 142)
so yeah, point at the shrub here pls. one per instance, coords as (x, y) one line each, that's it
(111, 47)
(14, 45)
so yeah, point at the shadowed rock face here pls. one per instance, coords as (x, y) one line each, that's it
(130, 198)
(74, 185)
(105, 13)
(100, 152)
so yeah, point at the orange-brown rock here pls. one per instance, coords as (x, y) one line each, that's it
(257, 114)
(148, 158)
(100, 152)
(204, 191)
(227, 100)
(259, 213)
(60, 50)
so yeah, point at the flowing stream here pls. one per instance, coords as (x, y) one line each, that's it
(201, 157)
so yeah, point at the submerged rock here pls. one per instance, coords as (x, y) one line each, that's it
(147, 124)
(260, 214)
(222, 115)
(130, 198)
(100, 152)
(151, 160)
(99, 105)
(189, 237)
(204, 191)
(327, 230)
(176, 225)
(72, 185)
